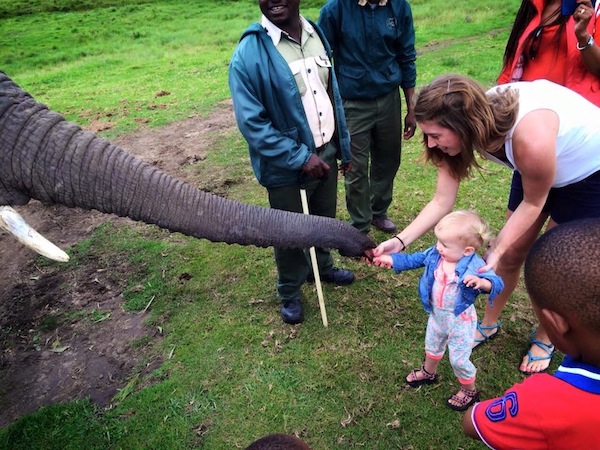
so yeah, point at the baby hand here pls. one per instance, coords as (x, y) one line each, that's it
(475, 282)
(383, 261)
(472, 281)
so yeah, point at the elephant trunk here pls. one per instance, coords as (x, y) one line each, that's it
(43, 156)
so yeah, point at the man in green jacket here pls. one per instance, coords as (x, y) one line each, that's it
(289, 110)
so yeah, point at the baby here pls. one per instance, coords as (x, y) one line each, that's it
(448, 288)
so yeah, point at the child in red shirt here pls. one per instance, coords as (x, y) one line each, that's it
(560, 411)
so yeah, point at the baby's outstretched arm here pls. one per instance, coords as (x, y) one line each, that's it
(383, 261)
(475, 282)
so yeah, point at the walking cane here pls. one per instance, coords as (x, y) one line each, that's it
(315, 265)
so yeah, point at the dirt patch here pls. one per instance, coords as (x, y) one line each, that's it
(63, 333)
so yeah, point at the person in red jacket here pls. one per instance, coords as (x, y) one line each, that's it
(549, 43)
(544, 43)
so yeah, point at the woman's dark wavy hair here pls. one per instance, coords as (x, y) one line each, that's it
(460, 104)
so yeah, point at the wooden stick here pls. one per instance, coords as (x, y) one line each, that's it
(315, 265)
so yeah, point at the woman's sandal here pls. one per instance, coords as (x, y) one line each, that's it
(547, 358)
(462, 403)
(418, 380)
(486, 337)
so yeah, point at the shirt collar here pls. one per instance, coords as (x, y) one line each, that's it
(580, 375)
(275, 32)
(364, 2)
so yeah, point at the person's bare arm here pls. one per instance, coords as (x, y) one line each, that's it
(534, 148)
(410, 123)
(468, 426)
(441, 204)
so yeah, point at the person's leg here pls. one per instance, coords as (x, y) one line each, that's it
(572, 202)
(292, 265)
(509, 269)
(385, 152)
(460, 343)
(530, 362)
(322, 201)
(435, 347)
(359, 117)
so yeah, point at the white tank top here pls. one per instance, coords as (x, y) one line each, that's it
(578, 140)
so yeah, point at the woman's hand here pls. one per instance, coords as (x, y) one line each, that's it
(582, 16)
(388, 247)
(491, 258)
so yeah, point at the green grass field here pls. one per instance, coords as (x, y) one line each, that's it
(232, 371)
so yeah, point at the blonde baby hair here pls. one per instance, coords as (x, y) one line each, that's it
(471, 228)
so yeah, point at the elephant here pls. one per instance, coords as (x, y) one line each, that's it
(45, 157)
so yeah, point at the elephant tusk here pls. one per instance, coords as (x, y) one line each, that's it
(12, 222)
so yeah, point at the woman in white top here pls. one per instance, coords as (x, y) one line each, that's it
(548, 134)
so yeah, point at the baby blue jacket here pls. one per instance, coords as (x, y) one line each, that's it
(467, 265)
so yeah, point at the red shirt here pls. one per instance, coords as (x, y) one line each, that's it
(554, 63)
(550, 62)
(545, 412)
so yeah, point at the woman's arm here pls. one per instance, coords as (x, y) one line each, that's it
(534, 149)
(441, 204)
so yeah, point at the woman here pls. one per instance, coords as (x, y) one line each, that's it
(546, 44)
(546, 133)
(549, 43)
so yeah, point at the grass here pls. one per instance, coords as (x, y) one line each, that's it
(232, 370)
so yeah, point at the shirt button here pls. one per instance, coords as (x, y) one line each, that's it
(308, 70)
(315, 92)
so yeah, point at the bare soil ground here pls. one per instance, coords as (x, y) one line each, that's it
(45, 361)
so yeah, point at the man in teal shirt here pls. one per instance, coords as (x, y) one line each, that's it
(289, 110)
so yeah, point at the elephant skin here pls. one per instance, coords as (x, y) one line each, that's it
(45, 157)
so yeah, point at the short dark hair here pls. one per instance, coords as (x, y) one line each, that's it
(278, 442)
(562, 271)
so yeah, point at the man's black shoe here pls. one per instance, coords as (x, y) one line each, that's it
(291, 311)
(341, 277)
(383, 223)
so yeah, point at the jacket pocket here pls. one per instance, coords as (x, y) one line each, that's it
(356, 73)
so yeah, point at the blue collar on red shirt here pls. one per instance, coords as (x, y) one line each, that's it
(580, 375)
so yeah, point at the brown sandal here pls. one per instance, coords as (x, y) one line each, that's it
(426, 377)
(463, 403)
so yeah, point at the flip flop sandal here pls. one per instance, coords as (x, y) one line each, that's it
(429, 378)
(463, 403)
(548, 348)
(487, 337)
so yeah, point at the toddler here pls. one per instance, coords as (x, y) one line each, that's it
(448, 288)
